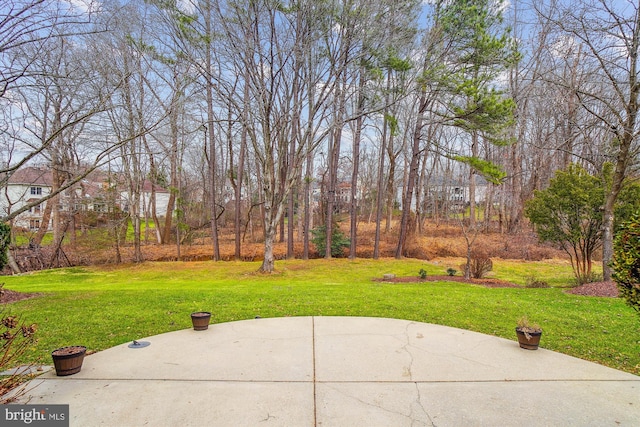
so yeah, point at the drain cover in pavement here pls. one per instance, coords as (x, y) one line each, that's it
(139, 344)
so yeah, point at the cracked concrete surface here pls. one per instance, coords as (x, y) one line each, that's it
(339, 371)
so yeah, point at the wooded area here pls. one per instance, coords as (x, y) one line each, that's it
(276, 118)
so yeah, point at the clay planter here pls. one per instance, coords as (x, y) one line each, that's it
(68, 360)
(200, 320)
(528, 340)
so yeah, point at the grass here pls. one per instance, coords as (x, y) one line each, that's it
(22, 237)
(103, 307)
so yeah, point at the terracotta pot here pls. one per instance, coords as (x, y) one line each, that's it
(68, 360)
(200, 320)
(531, 342)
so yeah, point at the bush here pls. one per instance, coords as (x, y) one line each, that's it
(480, 265)
(422, 273)
(589, 278)
(338, 241)
(451, 271)
(533, 282)
(568, 214)
(5, 239)
(15, 338)
(626, 261)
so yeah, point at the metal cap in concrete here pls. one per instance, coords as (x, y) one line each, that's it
(339, 371)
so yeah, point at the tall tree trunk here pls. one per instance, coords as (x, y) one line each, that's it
(390, 187)
(626, 139)
(210, 127)
(283, 176)
(153, 171)
(381, 170)
(515, 191)
(46, 220)
(295, 139)
(423, 194)
(268, 263)
(273, 211)
(330, 194)
(237, 189)
(237, 223)
(212, 188)
(380, 191)
(308, 212)
(472, 181)
(334, 153)
(353, 202)
(413, 174)
(173, 173)
(11, 262)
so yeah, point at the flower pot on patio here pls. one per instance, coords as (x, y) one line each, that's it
(528, 334)
(68, 360)
(200, 320)
(528, 340)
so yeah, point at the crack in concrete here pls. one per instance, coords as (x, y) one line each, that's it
(412, 415)
(405, 348)
(418, 402)
(450, 354)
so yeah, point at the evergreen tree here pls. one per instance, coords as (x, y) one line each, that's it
(626, 261)
(568, 213)
(479, 49)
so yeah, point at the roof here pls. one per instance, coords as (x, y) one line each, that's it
(93, 184)
(32, 176)
(148, 185)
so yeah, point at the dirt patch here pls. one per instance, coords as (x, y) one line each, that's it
(489, 283)
(7, 296)
(596, 289)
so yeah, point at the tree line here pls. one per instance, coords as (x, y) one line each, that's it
(270, 106)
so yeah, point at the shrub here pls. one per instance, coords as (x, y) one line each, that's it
(422, 273)
(451, 271)
(626, 261)
(568, 214)
(5, 239)
(338, 241)
(15, 338)
(533, 282)
(589, 278)
(480, 265)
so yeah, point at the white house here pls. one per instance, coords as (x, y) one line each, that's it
(26, 185)
(148, 190)
(94, 193)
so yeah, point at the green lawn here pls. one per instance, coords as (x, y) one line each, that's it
(103, 307)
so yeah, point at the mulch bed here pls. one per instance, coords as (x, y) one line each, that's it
(7, 296)
(596, 289)
(489, 283)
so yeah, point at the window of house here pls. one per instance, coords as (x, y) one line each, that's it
(35, 209)
(34, 224)
(36, 191)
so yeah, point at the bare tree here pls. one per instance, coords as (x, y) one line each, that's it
(30, 25)
(607, 35)
(51, 106)
(262, 39)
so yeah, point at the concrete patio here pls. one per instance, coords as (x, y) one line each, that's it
(339, 371)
